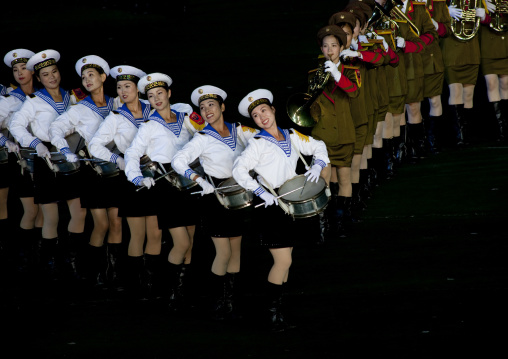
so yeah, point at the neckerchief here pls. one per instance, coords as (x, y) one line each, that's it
(175, 127)
(101, 111)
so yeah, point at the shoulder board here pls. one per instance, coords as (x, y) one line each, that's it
(78, 94)
(32, 95)
(301, 136)
(194, 117)
(248, 129)
(352, 67)
(383, 32)
(400, 20)
(366, 44)
(375, 41)
(419, 3)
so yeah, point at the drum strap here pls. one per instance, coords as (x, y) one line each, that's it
(299, 154)
(284, 207)
(219, 197)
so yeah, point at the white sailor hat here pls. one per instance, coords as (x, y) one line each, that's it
(207, 92)
(16, 56)
(155, 79)
(126, 73)
(43, 59)
(91, 61)
(253, 99)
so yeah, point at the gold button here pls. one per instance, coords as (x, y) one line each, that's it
(431, 54)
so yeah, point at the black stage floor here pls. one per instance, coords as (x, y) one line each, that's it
(423, 276)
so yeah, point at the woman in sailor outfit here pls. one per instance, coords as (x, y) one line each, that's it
(98, 193)
(273, 155)
(31, 220)
(30, 127)
(217, 146)
(120, 127)
(166, 132)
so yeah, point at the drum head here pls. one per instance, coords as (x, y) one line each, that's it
(311, 188)
(230, 182)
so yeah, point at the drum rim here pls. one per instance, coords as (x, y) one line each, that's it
(300, 201)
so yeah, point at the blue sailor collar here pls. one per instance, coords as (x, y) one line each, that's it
(88, 102)
(175, 127)
(43, 94)
(230, 141)
(19, 94)
(284, 145)
(125, 112)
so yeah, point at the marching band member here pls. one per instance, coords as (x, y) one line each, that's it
(31, 220)
(272, 154)
(462, 62)
(166, 131)
(217, 146)
(30, 127)
(494, 65)
(120, 127)
(335, 126)
(98, 193)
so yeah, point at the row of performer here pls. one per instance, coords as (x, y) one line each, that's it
(145, 160)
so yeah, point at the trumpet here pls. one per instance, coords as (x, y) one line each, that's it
(298, 105)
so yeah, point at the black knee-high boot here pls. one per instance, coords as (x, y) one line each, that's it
(500, 120)
(176, 295)
(275, 308)
(416, 135)
(6, 242)
(95, 265)
(219, 290)
(74, 255)
(49, 255)
(432, 125)
(357, 203)
(401, 146)
(388, 158)
(233, 295)
(151, 277)
(24, 252)
(458, 124)
(115, 265)
(134, 270)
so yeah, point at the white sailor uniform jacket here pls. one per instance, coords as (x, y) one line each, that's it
(160, 140)
(9, 104)
(275, 161)
(120, 127)
(30, 125)
(216, 154)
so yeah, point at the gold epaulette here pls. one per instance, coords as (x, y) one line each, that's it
(383, 32)
(13, 86)
(400, 20)
(366, 44)
(302, 137)
(248, 129)
(419, 3)
(351, 67)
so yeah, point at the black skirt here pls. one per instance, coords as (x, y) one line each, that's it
(276, 229)
(219, 221)
(100, 191)
(133, 203)
(8, 171)
(52, 187)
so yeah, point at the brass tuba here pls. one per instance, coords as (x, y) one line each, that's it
(397, 14)
(298, 105)
(500, 16)
(468, 27)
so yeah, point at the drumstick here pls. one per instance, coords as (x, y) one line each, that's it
(234, 185)
(304, 183)
(163, 175)
(282, 195)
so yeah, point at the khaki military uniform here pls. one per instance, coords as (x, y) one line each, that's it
(371, 81)
(494, 49)
(332, 112)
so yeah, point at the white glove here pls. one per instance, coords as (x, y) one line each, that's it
(313, 173)
(11, 146)
(455, 12)
(385, 44)
(148, 182)
(207, 187)
(71, 157)
(480, 12)
(120, 163)
(363, 39)
(401, 43)
(354, 44)
(268, 198)
(490, 6)
(349, 53)
(436, 24)
(42, 151)
(332, 68)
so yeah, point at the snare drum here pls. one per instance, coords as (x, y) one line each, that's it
(61, 165)
(105, 168)
(4, 155)
(312, 201)
(147, 166)
(234, 197)
(183, 183)
(27, 158)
